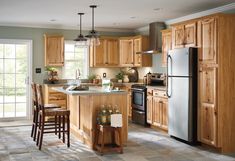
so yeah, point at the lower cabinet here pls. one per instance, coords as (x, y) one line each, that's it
(208, 113)
(150, 109)
(157, 111)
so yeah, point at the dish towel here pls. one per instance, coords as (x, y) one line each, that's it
(116, 120)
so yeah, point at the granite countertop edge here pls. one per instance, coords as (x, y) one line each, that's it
(92, 91)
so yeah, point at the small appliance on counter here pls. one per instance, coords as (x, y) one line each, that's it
(155, 79)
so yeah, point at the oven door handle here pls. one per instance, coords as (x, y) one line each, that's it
(136, 89)
(139, 112)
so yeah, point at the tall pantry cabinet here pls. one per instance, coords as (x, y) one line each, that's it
(216, 110)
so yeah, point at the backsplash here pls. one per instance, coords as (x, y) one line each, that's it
(112, 72)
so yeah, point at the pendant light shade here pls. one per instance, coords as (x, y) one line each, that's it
(93, 37)
(81, 40)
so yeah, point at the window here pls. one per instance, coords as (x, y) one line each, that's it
(75, 58)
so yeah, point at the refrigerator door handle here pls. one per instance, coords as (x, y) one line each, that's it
(167, 84)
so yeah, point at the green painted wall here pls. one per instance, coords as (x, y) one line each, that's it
(36, 35)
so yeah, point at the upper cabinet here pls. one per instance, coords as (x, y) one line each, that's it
(207, 39)
(126, 51)
(129, 47)
(184, 35)
(106, 54)
(166, 45)
(54, 50)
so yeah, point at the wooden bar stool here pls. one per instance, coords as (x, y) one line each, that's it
(36, 110)
(61, 117)
(102, 131)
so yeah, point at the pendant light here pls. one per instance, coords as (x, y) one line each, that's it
(93, 36)
(81, 40)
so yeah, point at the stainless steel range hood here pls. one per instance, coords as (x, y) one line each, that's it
(155, 38)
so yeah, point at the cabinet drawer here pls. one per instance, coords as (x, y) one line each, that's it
(160, 93)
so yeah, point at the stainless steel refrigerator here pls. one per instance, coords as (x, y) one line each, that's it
(182, 94)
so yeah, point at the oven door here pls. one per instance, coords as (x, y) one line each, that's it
(138, 99)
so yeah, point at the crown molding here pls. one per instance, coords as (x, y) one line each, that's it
(60, 27)
(201, 14)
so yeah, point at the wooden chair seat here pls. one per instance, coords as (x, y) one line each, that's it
(55, 112)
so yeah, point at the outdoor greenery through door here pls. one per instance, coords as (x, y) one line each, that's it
(14, 78)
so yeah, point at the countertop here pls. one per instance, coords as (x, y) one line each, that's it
(91, 91)
(157, 87)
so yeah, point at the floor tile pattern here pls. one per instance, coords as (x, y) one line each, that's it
(144, 144)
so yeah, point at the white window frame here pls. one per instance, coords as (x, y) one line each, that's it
(87, 59)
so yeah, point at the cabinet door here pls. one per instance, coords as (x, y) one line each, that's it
(164, 112)
(208, 41)
(137, 48)
(112, 52)
(54, 50)
(190, 33)
(207, 102)
(156, 111)
(126, 52)
(178, 36)
(149, 109)
(129, 104)
(166, 46)
(99, 54)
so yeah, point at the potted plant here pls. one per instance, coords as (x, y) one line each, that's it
(119, 77)
(91, 78)
(52, 74)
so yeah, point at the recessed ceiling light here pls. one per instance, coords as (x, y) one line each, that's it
(52, 20)
(157, 9)
(116, 23)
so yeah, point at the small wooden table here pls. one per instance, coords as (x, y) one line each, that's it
(101, 130)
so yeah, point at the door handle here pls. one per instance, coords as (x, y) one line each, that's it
(167, 84)
(26, 80)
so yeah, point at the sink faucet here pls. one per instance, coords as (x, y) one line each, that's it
(78, 74)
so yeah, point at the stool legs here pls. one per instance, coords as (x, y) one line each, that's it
(68, 131)
(120, 139)
(63, 121)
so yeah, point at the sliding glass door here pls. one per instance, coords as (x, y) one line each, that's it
(15, 58)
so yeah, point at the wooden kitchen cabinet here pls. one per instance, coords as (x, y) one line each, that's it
(54, 50)
(216, 81)
(208, 41)
(129, 46)
(126, 52)
(184, 35)
(157, 108)
(164, 121)
(166, 45)
(157, 115)
(208, 105)
(106, 54)
(150, 109)
(53, 97)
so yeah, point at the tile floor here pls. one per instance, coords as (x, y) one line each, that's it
(144, 145)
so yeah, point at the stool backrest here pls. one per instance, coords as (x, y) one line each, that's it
(34, 94)
(40, 99)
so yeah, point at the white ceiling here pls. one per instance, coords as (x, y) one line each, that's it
(109, 14)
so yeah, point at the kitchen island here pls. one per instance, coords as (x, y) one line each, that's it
(84, 106)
